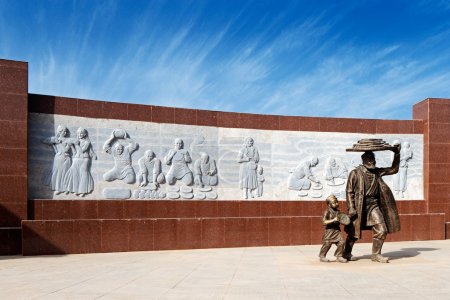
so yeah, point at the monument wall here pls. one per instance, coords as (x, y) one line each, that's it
(93, 197)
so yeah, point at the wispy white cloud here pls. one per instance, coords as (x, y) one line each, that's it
(305, 67)
(432, 5)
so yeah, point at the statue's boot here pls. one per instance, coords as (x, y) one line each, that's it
(348, 249)
(341, 259)
(376, 251)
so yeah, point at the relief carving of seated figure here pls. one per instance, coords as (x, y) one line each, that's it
(205, 171)
(177, 159)
(122, 157)
(333, 170)
(301, 177)
(150, 169)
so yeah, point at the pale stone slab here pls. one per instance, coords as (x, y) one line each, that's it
(280, 152)
(119, 193)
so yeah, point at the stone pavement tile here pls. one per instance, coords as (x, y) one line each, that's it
(325, 294)
(402, 296)
(207, 278)
(70, 296)
(196, 292)
(135, 292)
(263, 285)
(100, 284)
(436, 296)
(125, 296)
(157, 280)
(255, 292)
(303, 296)
(21, 292)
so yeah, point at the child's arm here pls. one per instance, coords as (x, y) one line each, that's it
(326, 222)
(326, 218)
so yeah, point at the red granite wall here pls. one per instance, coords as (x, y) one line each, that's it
(13, 153)
(436, 116)
(77, 226)
(115, 225)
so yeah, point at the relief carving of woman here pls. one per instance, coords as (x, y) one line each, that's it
(62, 159)
(248, 158)
(78, 179)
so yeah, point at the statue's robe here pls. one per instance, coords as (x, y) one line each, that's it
(355, 198)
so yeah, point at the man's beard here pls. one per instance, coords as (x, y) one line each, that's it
(370, 166)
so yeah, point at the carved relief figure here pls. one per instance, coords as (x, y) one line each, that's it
(177, 159)
(78, 179)
(333, 171)
(302, 176)
(400, 179)
(62, 159)
(122, 156)
(205, 171)
(248, 158)
(261, 179)
(150, 169)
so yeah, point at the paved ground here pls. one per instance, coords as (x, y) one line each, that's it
(418, 270)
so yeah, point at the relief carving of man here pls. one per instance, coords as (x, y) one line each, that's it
(178, 158)
(371, 204)
(150, 170)
(205, 171)
(122, 157)
(334, 170)
(302, 176)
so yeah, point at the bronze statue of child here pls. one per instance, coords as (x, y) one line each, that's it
(332, 235)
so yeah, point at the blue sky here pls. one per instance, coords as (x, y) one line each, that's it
(363, 59)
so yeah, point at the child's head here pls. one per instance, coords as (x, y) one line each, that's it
(260, 170)
(332, 201)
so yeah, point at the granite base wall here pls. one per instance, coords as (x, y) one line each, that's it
(147, 234)
(148, 209)
(73, 226)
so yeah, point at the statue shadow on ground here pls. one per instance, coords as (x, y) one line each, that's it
(402, 253)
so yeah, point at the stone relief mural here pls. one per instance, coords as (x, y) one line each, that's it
(112, 159)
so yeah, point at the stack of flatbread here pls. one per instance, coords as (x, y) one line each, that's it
(364, 145)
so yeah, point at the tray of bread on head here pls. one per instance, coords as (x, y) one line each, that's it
(364, 145)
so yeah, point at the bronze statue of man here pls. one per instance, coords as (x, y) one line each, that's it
(371, 204)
